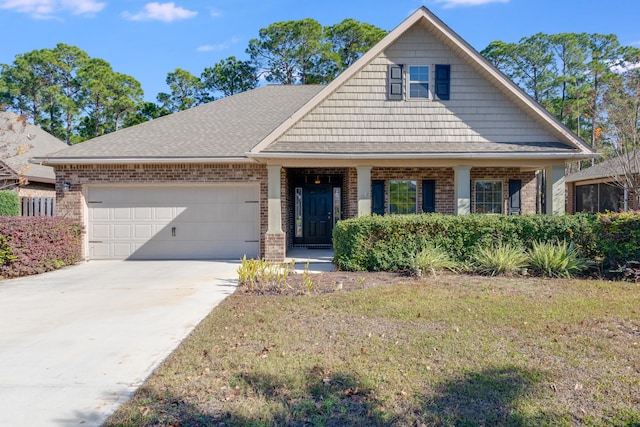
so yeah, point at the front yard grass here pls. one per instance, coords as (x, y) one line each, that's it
(452, 350)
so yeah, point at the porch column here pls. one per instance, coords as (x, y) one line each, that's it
(554, 191)
(364, 190)
(275, 242)
(462, 190)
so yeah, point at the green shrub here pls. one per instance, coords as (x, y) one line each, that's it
(618, 238)
(9, 203)
(501, 258)
(432, 259)
(390, 242)
(6, 257)
(555, 259)
(38, 244)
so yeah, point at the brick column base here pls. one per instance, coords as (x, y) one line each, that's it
(275, 247)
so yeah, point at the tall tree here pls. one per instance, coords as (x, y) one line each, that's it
(146, 111)
(69, 59)
(571, 51)
(621, 103)
(229, 76)
(26, 80)
(127, 96)
(530, 63)
(68, 94)
(290, 52)
(95, 79)
(605, 54)
(186, 91)
(109, 96)
(350, 39)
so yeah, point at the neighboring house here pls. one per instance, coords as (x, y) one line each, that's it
(19, 142)
(421, 123)
(601, 187)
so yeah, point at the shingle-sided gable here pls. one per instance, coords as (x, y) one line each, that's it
(485, 112)
(358, 117)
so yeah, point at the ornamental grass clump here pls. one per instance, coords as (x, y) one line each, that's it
(432, 259)
(502, 258)
(258, 275)
(555, 259)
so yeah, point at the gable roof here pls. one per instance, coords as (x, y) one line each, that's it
(19, 142)
(248, 125)
(569, 145)
(223, 130)
(608, 169)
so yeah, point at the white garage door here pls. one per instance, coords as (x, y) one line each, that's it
(199, 222)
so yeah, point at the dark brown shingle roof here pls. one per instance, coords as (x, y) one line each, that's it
(226, 128)
(20, 141)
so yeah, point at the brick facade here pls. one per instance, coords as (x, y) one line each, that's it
(273, 246)
(71, 204)
(442, 176)
(527, 192)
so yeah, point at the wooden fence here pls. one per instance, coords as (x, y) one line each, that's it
(38, 206)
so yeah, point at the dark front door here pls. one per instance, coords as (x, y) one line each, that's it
(317, 223)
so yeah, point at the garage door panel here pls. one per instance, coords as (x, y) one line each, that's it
(122, 249)
(122, 231)
(144, 213)
(164, 213)
(99, 214)
(143, 231)
(99, 231)
(121, 213)
(247, 213)
(210, 222)
(99, 251)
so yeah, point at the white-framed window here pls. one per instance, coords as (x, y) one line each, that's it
(489, 197)
(403, 197)
(418, 82)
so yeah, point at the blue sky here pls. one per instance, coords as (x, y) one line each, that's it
(147, 39)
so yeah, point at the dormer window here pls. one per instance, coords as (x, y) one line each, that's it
(419, 82)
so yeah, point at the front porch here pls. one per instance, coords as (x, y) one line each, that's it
(304, 204)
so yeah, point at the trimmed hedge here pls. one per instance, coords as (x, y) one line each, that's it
(33, 245)
(618, 238)
(9, 203)
(389, 243)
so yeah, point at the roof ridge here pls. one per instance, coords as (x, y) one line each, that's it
(470, 53)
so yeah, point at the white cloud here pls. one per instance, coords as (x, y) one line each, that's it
(455, 3)
(165, 12)
(80, 7)
(627, 66)
(215, 13)
(219, 46)
(47, 9)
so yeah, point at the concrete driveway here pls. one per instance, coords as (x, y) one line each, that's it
(76, 343)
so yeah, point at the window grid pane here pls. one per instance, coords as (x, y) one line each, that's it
(419, 82)
(488, 197)
(419, 90)
(402, 197)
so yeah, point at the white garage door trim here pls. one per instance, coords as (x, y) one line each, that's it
(218, 221)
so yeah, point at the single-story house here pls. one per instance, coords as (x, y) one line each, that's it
(19, 142)
(420, 123)
(601, 187)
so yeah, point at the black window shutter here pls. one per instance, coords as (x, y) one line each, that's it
(443, 81)
(377, 197)
(429, 195)
(395, 76)
(515, 200)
